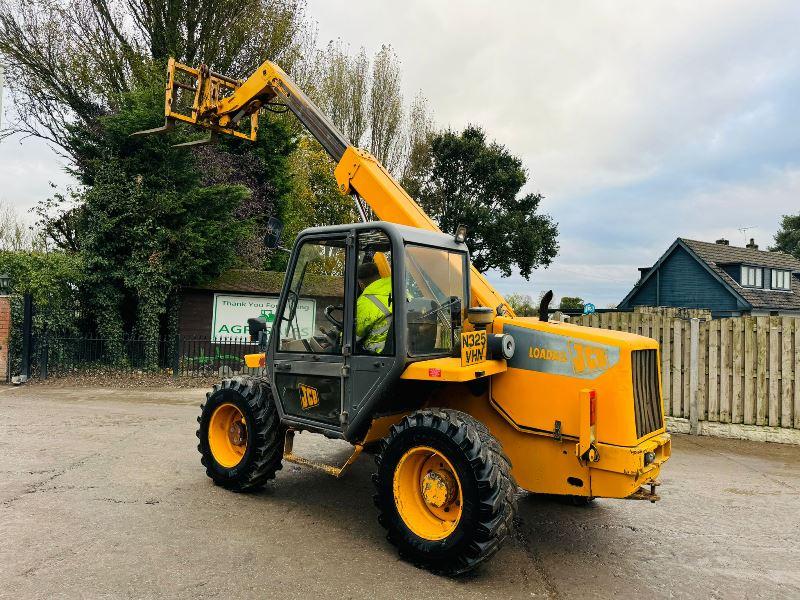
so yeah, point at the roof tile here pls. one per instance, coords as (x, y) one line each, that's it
(720, 254)
(270, 282)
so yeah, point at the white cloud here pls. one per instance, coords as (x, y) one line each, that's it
(590, 94)
(639, 121)
(27, 168)
(601, 264)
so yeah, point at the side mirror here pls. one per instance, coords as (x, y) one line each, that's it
(274, 230)
(256, 326)
(455, 309)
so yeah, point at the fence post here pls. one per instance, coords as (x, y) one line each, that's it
(176, 358)
(27, 334)
(44, 355)
(694, 338)
(5, 336)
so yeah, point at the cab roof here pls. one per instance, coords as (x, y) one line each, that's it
(396, 232)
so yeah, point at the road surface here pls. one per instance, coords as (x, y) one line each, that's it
(102, 496)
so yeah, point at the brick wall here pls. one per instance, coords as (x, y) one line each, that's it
(5, 329)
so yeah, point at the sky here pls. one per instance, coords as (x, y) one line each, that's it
(639, 122)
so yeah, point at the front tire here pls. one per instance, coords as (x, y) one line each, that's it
(241, 438)
(444, 491)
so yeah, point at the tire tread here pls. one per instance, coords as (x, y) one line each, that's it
(265, 435)
(496, 486)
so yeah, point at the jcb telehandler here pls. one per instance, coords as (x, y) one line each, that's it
(460, 400)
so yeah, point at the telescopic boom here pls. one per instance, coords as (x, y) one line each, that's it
(229, 106)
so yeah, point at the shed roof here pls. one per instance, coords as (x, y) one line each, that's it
(253, 281)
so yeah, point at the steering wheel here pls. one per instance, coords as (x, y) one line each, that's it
(334, 321)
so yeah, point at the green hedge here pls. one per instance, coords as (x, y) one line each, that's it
(54, 279)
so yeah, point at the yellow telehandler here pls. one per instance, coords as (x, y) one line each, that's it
(386, 337)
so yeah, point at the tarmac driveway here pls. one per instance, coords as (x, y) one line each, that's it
(102, 496)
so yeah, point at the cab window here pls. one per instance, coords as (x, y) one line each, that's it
(374, 308)
(435, 298)
(312, 319)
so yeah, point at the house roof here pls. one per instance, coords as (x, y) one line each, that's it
(714, 256)
(725, 254)
(253, 281)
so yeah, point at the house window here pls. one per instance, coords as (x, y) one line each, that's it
(751, 276)
(781, 280)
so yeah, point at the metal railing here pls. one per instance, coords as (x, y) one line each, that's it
(181, 356)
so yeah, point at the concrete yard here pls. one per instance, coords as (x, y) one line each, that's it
(102, 496)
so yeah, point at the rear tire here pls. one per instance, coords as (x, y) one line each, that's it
(256, 441)
(485, 498)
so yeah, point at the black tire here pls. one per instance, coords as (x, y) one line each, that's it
(265, 435)
(489, 491)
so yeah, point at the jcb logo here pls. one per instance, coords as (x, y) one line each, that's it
(309, 397)
(588, 359)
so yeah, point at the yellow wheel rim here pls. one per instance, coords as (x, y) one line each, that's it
(427, 493)
(227, 435)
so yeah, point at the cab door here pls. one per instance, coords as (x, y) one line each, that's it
(374, 317)
(311, 341)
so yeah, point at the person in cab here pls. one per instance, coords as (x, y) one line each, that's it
(373, 308)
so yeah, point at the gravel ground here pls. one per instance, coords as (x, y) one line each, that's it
(102, 496)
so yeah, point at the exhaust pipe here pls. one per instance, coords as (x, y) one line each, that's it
(544, 306)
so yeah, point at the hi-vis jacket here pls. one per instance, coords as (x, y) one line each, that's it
(374, 315)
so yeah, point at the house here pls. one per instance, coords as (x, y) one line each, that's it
(728, 280)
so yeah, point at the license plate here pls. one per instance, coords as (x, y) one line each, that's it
(473, 347)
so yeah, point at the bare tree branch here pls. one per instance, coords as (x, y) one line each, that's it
(386, 109)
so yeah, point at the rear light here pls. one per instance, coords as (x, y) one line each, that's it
(592, 408)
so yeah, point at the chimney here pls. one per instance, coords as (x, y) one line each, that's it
(643, 271)
(723, 242)
(752, 245)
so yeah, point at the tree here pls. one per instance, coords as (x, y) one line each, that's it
(263, 168)
(54, 279)
(344, 90)
(386, 109)
(788, 237)
(73, 63)
(59, 220)
(316, 201)
(571, 303)
(523, 305)
(363, 98)
(420, 130)
(476, 183)
(70, 62)
(144, 232)
(15, 235)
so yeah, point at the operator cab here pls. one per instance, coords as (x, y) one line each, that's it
(358, 304)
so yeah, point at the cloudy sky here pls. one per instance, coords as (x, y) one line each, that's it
(638, 121)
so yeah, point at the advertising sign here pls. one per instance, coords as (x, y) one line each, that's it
(231, 312)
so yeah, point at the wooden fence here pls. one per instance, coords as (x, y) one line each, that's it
(736, 370)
